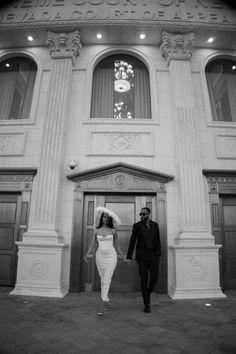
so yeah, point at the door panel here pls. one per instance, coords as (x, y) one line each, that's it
(127, 207)
(9, 221)
(229, 242)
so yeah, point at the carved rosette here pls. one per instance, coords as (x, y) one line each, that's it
(177, 46)
(197, 269)
(39, 267)
(64, 45)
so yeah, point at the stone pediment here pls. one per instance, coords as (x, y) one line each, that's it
(120, 176)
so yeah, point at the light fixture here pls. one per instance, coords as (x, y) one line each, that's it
(142, 36)
(99, 35)
(30, 38)
(7, 65)
(208, 304)
(234, 67)
(210, 40)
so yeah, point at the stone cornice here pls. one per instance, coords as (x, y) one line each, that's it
(120, 167)
(64, 45)
(18, 171)
(73, 24)
(177, 46)
(217, 174)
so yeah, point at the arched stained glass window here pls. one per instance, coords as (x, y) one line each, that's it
(17, 78)
(121, 89)
(221, 81)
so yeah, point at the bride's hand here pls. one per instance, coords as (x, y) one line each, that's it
(124, 259)
(86, 258)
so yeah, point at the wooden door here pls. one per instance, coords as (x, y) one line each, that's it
(127, 207)
(9, 221)
(229, 242)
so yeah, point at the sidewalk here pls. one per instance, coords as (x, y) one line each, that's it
(71, 325)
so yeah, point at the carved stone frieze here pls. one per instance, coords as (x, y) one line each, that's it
(15, 178)
(64, 45)
(120, 143)
(177, 46)
(221, 182)
(217, 179)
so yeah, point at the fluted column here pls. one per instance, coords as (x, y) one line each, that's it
(64, 48)
(194, 253)
(41, 254)
(177, 49)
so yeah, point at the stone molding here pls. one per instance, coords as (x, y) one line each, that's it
(221, 181)
(120, 168)
(12, 143)
(64, 45)
(16, 179)
(177, 46)
(117, 143)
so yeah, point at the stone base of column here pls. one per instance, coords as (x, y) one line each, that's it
(196, 272)
(40, 270)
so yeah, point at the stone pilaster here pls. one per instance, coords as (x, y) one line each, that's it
(194, 250)
(41, 251)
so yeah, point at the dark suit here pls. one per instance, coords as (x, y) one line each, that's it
(148, 252)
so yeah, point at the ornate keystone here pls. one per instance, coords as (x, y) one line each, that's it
(178, 46)
(64, 45)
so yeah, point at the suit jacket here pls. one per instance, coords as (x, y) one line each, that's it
(137, 238)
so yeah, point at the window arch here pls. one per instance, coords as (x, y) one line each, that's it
(17, 79)
(121, 88)
(221, 81)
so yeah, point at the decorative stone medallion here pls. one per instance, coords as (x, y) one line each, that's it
(39, 267)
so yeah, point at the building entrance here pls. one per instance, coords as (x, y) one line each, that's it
(10, 212)
(127, 207)
(125, 189)
(228, 205)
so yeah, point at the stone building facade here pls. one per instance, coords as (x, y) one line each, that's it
(121, 103)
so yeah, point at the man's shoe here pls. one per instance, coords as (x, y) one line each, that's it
(147, 309)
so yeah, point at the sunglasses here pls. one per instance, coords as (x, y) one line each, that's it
(143, 214)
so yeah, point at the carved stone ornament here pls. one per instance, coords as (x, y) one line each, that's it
(197, 269)
(39, 267)
(177, 46)
(64, 45)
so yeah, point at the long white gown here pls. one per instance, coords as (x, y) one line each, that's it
(106, 260)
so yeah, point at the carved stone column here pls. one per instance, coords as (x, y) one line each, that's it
(194, 254)
(41, 252)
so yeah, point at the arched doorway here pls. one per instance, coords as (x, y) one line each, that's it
(125, 189)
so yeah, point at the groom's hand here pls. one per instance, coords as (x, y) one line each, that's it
(128, 261)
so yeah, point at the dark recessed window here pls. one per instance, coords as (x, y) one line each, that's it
(121, 89)
(17, 79)
(221, 80)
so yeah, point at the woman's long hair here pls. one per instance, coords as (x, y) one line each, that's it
(110, 222)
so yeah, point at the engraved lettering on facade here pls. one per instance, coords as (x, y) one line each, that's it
(168, 10)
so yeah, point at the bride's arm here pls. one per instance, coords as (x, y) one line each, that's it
(117, 246)
(91, 249)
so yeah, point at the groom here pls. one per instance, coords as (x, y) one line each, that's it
(146, 237)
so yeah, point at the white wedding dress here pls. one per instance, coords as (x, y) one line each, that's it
(106, 260)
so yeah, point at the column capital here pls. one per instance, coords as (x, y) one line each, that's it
(177, 46)
(64, 45)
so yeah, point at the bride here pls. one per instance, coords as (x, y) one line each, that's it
(105, 237)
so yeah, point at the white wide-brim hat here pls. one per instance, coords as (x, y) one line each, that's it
(98, 212)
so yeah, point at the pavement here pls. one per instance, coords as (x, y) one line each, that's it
(72, 325)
